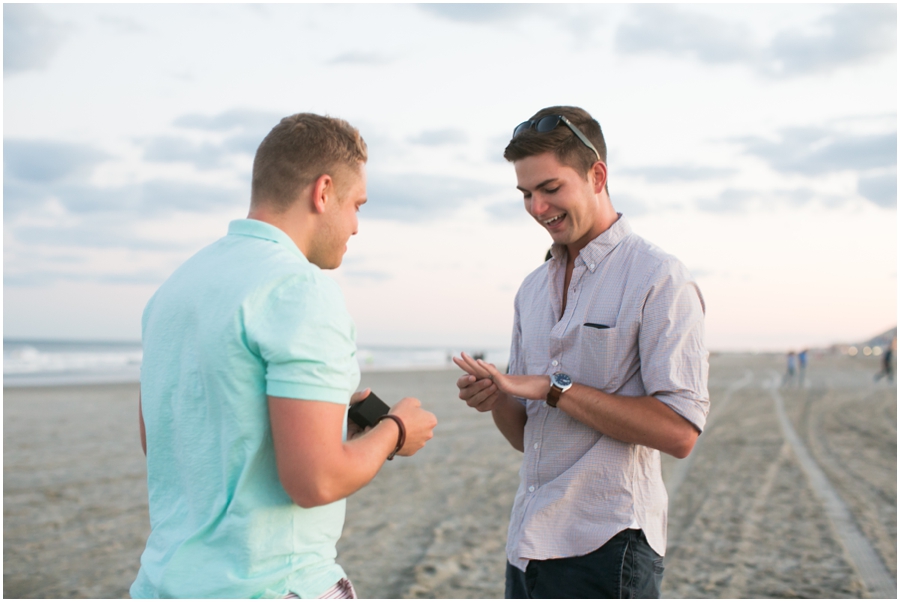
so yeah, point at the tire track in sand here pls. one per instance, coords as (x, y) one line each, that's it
(851, 454)
(860, 552)
(737, 587)
(682, 468)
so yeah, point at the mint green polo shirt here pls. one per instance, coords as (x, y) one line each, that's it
(246, 317)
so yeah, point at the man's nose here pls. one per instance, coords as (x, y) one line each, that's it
(538, 205)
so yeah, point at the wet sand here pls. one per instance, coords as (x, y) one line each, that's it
(744, 519)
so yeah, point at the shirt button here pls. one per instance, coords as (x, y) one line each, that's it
(531, 489)
(592, 266)
(555, 363)
(535, 446)
(544, 403)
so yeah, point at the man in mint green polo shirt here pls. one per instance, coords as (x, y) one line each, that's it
(249, 365)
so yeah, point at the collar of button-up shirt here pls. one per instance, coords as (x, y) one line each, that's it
(589, 258)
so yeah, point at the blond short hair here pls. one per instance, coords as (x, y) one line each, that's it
(298, 151)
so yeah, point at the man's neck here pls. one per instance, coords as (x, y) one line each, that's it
(604, 222)
(287, 221)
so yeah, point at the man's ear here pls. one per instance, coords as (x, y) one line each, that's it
(322, 193)
(599, 175)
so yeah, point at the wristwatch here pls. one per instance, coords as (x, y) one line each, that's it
(559, 384)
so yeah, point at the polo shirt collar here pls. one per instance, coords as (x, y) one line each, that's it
(265, 231)
(594, 252)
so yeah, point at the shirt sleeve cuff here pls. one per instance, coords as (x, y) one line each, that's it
(686, 408)
(280, 388)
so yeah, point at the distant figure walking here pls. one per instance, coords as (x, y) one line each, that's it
(887, 365)
(791, 368)
(801, 361)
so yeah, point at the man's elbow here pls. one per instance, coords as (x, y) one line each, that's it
(308, 501)
(311, 493)
(682, 446)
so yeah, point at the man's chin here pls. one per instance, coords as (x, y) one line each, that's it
(327, 264)
(561, 238)
(336, 262)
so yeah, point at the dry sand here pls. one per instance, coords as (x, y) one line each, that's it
(744, 521)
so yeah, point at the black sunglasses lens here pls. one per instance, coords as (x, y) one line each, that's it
(547, 124)
(521, 128)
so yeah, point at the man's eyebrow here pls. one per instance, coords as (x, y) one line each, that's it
(541, 185)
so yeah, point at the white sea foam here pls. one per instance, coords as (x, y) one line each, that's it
(30, 363)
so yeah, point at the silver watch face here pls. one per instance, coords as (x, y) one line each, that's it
(561, 380)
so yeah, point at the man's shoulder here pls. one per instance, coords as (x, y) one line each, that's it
(649, 262)
(238, 269)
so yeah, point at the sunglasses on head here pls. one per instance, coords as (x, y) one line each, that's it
(550, 123)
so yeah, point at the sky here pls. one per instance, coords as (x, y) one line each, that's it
(756, 143)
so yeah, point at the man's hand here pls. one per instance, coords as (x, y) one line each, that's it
(476, 387)
(419, 424)
(486, 390)
(483, 395)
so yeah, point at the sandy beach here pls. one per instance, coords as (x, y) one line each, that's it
(745, 517)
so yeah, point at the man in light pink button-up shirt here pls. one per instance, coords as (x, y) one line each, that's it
(607, 369)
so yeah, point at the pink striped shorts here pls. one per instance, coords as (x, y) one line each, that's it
(342, 590)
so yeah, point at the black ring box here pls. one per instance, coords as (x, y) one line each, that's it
(368, 411)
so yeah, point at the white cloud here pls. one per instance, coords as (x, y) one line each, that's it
(849, 35)
(30, 38)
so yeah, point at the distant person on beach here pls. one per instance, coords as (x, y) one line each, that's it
(249, 365)
(802, 359)
(607, 368)
(887, 363)
(791, 368)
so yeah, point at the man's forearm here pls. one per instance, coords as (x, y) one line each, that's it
(362, 458)
(510, 418)
(315, 466)
(641, 420)
(320, 481)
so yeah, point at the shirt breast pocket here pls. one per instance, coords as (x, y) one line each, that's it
(602, 355)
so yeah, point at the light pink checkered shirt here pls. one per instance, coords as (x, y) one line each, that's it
(579, 488)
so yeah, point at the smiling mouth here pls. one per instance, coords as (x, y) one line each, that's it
(553, 220)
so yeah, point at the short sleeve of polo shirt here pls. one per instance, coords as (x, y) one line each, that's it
(302, 330)
(674, 361)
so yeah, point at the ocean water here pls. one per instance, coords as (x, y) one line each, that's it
(41, 363)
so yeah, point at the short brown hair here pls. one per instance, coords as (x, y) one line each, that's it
(299, 150)
(562, 142)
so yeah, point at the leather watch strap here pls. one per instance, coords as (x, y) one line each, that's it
(553, 396)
